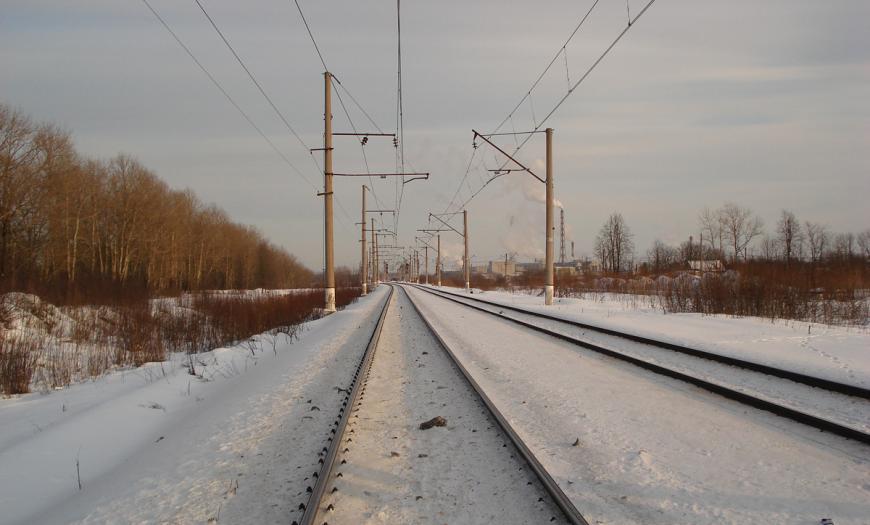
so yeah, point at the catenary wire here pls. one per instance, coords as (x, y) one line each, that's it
(336, 81)
(226, 94)
(570, 91)
(254, 80)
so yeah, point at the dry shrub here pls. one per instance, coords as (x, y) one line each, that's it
(761, 294)
(18, 360)
(133, 334)
(138, 337)
(235, 318)
(347, 295)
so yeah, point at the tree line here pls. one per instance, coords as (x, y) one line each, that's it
(734, 234)
(73, 228)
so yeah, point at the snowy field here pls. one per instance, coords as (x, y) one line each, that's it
(832, 352)
(155, 444)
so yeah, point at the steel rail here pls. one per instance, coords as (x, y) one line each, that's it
(735, 395)
(559, 497)
(312, 509)
(826, 384)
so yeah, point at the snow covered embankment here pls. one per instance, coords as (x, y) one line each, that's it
(157, 444)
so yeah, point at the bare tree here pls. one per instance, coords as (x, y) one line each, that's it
(818, 238)
(844, 245)
(89, 224)
(712, 227)
(740, 228)
(661, 256)
(790, 236)
(614, 246)
(769, 248)
(19, 155)
(864, 243)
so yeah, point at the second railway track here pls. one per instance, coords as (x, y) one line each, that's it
(853, 424)
(378, 464)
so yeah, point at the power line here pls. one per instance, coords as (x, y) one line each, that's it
(313, 41)
(256, 83)
(357, 104)
(272, 104)
(552, 61)
(362, 149)
(571, 89)
(226, 94)
(401, 116)
(340, 100)
(527, 95)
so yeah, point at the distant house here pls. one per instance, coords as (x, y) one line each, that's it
(565, 268)
(522, 268)
(507, 268)
(714, 265)
(588, 266)
(479, 268)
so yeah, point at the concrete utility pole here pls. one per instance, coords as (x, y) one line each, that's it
(548, 181)
(549, 283)
(376, 277)
(327, 194)
(426, 264)
(363, 262)
(438, 262)
(465, 235)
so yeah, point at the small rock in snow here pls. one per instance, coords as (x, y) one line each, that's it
(436, 421)
(576, 443)
(394, 454)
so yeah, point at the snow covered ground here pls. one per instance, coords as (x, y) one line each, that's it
(239, 442)
(651, 449)
(832, 352)
(155, 444)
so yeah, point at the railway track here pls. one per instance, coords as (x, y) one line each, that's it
(841, 393)
(335, 454)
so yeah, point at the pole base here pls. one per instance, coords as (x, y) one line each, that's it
(330, 300)
(548, 294)
(467, 286)
(363, 289)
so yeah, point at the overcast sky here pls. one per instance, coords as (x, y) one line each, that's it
(766, 104)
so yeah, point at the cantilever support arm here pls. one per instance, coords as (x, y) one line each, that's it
(446, 224)
(506, 154)
(424, 242)
(417, 176)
